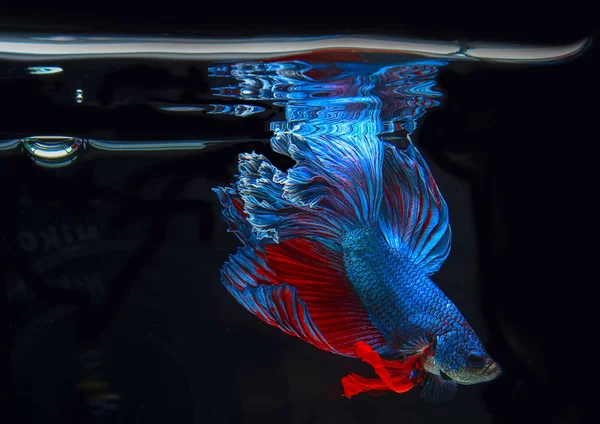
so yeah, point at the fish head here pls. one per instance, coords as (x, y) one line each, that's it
(460, 356)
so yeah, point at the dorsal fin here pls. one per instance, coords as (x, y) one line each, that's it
(414, 215)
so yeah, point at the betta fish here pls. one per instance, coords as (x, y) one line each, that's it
(339, 252)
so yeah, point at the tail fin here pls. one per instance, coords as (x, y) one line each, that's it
(323, 197)
(414, 215)
(232, 212)
(340, 177)
(290, 271)
(335, 185)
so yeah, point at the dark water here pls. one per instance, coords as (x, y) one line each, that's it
(112, 240)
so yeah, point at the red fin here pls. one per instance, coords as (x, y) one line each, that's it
(396, 376)
(249, 279)
(317, 273)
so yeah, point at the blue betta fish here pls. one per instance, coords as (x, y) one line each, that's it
(339, 250)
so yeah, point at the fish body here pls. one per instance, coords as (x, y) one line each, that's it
(339, 250)
(400, 298)
(403, 301)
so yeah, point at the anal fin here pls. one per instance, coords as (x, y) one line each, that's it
(300, 286)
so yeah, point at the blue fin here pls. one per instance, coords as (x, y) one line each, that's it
(232, 212)
(341, 174)
(273, 214)
(414, 215)
(260, 185)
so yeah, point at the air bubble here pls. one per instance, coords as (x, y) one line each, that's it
(52, 151)
(79, 96)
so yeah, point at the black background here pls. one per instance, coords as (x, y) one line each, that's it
(513, 152)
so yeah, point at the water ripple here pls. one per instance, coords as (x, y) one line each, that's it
(337, 98)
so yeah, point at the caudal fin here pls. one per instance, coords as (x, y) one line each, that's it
(290, 271)
(334, 186)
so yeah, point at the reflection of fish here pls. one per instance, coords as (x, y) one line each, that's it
(338, 252)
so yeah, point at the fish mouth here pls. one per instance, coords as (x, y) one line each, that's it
(492, 370)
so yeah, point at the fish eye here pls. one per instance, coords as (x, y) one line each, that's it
(476, 359)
